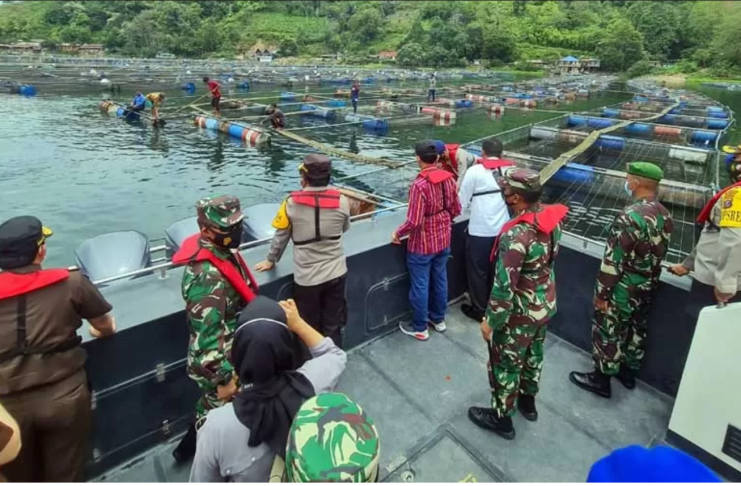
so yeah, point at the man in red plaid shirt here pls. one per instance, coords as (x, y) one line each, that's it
(433, 204)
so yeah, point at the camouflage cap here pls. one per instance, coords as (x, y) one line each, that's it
(520, 178)
(332, 440)
(219, 211)
(647, 170)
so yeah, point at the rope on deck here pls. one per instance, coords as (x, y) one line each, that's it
(326, 149)
(563, 159)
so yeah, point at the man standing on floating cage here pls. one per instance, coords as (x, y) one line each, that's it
(630, 270)
(716, 259)
(215, 88)
(355, 95)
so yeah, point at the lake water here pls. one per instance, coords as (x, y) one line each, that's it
(84, 173)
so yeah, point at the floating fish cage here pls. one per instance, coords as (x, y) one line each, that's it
(249, 135)
(710, 123)
(574, 129)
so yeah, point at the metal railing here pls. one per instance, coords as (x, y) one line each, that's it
(163, 267)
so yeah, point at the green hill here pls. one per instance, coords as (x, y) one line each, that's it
(695, 34)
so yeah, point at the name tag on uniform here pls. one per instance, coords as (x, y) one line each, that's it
(730, 209)
(281, 221)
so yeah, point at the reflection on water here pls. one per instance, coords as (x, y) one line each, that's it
(84, 173)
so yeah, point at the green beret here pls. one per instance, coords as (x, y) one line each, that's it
(646, 170)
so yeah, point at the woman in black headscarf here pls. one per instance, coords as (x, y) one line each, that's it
(238, 442)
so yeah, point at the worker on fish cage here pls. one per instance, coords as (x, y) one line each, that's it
(138, 103)
(716, 258)
(215, 88)
(481, 192)
(629, 274)
(355, 95)
(216, 286)
(454, 159)
(153, 102)
(522, 301)
(315, 219)
(275, 116)
(432, 89)
(43, 383)
(433, 204)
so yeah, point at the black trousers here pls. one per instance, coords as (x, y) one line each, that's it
(479, 271)
(324, 307)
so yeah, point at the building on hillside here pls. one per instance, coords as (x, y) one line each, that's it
(263, 52)
(573, 65)
(69, 48)
(91, 49)
(22, 47)
(165, 55)
(387, 55)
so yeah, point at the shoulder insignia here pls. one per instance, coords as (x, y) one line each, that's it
(281, 221)
(730, 209)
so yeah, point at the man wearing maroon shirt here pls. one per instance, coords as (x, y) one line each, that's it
(215, 88)
(433, 204)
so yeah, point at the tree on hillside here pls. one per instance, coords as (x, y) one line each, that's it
(659, 23)
(620, 47)
(411, 55)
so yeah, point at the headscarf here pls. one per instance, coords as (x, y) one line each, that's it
(266, 354)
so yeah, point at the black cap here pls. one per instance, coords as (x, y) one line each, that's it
(20, 239)
(426, 148)
(316, 165)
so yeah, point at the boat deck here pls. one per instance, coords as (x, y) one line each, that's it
(419, 393)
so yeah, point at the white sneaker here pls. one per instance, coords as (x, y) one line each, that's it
(408, 329)
(439, 327)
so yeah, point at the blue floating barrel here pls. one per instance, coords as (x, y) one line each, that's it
(675, 111)
(575, 174)
(120, 112)
(714, 108)
(507, 88)
(357, 118)
(235, 131)
(317, 111)
(369, 80)
(288, 96)
(336, 103)
(611, 112)
(245, 85)
(717, 124)
(27, 90)
(693, 121)
(683, 104)
(189, 87)
(668, 119)
(611, 142)
(376, 125)
(463, 104)
(638, 128)
(640, 99)
(574, 121)
(718, 114)
(212, 123)
(600, 123)
(703, 136)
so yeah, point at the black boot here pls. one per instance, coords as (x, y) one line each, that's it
(471, 313)
(595, 382)
(627, 377)
(526, 406)
(486, 418)
(186, 450)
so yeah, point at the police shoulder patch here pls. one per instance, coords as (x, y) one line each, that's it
(281, 221)
(730, 209)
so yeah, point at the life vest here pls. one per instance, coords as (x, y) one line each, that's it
(452, 165)
(327, 199)
(19, 285)
(545, 221)
(708, 209)
(191, 251)
(493, 165)
(437, 176)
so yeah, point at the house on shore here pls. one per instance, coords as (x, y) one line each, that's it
(574, 65)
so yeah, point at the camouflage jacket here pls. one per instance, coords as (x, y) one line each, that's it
(524, 290)
(211, 305)
(638, 241)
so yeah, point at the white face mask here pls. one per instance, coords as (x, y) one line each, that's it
(627, 189)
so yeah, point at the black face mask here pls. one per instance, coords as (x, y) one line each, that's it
(230, 238)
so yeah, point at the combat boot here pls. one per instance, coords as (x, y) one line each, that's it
(486, 418)
(595, 382)
(526, 406)
(627, 377)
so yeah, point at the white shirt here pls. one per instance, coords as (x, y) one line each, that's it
(488, 211)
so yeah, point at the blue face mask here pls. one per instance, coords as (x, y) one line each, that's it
(627, 189)
(729, 158)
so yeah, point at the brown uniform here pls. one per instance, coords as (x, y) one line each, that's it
(46, 388)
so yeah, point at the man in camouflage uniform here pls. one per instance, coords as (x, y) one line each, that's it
(212, 304)
(629, 274)
(331, 440)
(523, 300)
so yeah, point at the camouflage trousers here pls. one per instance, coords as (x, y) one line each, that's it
(619, 335)
(209, 399)
(515, 363)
